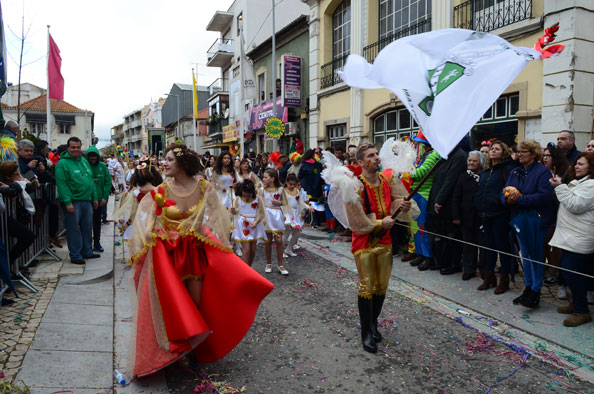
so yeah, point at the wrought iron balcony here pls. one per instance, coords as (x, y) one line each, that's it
(328, 76)
(370, 51)
(488, 15)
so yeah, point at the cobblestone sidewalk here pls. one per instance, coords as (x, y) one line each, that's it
(19, 321)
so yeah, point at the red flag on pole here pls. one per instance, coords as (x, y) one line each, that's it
(55, 79)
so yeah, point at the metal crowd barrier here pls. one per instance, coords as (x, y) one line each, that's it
(38, 223)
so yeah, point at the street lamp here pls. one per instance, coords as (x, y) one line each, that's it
(177, 127)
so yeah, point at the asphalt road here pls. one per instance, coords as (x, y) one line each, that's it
(306, 339)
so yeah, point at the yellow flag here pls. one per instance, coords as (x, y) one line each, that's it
(195, 95)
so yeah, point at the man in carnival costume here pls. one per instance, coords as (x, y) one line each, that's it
(426, 160)
(379, 195)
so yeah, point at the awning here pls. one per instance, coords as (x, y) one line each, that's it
(217, 145)
(65, 119)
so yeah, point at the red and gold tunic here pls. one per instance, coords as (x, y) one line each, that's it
(366, 222)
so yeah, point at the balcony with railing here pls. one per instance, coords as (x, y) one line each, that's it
(219, 86)
(220, 53)
(488, 15)
(215, 125)
(328, 75)
(370, 51)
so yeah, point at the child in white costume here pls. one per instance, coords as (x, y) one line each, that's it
(273, 197)
(294, 213)
(249, 218)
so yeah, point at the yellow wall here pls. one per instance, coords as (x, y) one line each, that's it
(372, 22)
(333, 107)
(337, 105)
(326, 10)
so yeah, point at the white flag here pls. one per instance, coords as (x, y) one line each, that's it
(447, 79)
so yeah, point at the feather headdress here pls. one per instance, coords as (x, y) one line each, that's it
(8, 151)
(340, 177)
(399, 156)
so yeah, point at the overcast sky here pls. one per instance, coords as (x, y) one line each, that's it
(117, 55)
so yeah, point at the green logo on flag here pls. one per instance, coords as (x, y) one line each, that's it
(439, 79)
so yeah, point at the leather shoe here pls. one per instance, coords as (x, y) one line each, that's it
(449, 270)
(93, 256)
(78, 262)
(409, 257)
(468, 275)
(417, 261)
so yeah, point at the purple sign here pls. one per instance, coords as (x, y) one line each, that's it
(291, 87)
(259, 114)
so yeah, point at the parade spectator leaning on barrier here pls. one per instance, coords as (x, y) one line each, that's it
(29, 167)
(102, 181)
(574, 235)
(566, 142)
(78, 197)
(41, 153)
(494, 216)
(529, 195)
(464, 214)
(9, 188)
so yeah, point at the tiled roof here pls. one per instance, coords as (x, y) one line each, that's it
(39, 104)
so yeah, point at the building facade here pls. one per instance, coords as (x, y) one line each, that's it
(546, 97)
(178, 115)
(66, 120)
(134, 139)
(243, 30)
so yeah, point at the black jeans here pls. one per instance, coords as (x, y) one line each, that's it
(469, 252)
(399, 235)
(24, 236)
(577, 283)
(447, 253)
(97, 213)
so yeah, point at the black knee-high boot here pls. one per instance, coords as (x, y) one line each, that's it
(365, 315)
(377, 302)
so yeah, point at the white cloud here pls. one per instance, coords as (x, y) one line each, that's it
(116, 55)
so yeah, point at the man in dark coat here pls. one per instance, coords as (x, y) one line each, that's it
(566, 142)
(447, 253)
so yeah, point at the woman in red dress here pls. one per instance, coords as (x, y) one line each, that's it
(192, 292)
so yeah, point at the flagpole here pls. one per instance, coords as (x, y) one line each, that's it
(241, 94)
(194, 103)
(48, 110)
(274, 113)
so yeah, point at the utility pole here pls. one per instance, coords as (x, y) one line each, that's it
(274, 140)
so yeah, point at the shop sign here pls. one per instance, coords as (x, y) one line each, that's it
(229, 133)
(259, 114)
(291, 81)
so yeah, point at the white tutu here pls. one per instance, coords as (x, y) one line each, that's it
(295, 219)
(276, 220)
(242, 232)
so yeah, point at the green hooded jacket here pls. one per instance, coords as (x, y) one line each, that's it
(101, 175)
(74, 179)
